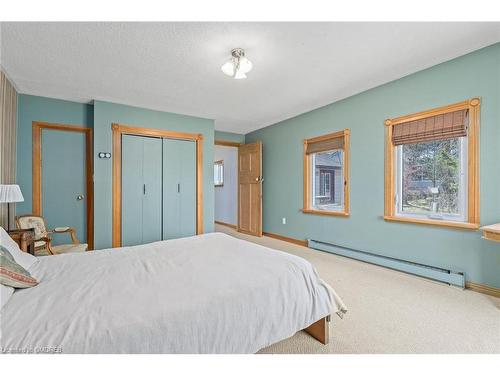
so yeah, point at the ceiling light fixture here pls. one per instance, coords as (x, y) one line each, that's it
(238, 65)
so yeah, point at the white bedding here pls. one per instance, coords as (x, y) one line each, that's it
(205, 294)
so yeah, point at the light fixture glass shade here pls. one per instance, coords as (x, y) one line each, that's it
(245, 65)
(10, 194)
(240, 75)
(228, 68)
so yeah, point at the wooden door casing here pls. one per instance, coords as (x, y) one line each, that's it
(250, 189)
(37, 127)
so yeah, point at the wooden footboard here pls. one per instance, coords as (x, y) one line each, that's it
(320, 330)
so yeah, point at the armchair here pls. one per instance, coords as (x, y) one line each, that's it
(43, 236)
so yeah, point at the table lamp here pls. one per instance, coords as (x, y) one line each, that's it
(10, 194)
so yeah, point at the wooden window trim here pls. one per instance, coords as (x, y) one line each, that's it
(117, 131)
(472, 223)
(307, 175)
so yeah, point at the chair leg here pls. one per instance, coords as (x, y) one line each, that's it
(49, 250)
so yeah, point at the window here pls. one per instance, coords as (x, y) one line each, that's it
(431, 179)
(326, 177)
(219, 173)
(432, 167)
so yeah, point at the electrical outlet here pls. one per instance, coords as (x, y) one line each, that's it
(283, 220)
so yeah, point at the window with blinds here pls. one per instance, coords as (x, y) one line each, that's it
(432, 166)
(326, 174)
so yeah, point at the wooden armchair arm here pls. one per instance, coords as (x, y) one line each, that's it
(69, 230)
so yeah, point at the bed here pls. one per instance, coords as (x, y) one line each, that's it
(210, 293)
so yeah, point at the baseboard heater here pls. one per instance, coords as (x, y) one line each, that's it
(430, 272)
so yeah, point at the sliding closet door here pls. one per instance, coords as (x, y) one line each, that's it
(141, 190)
(131, 190)
(152, 197)
(179, 188)
(187, 185)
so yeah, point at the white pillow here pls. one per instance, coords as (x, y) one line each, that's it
(25, 260)
(5, 293)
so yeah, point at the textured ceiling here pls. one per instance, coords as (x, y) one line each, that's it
(175, 67)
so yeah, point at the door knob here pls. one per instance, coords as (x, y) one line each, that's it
(79, 197)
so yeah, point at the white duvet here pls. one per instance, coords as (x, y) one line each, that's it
(205, 294)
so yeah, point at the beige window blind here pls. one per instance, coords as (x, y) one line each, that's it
(325, 145)
(434, 128)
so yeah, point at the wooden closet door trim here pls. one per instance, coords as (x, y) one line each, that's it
(117, 131)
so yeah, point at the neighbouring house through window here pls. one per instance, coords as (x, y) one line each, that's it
(328, 180)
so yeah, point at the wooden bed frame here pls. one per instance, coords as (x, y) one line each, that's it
(320, 330)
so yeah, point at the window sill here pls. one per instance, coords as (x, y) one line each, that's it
(440, 223)
(326, 213)
(491, 232)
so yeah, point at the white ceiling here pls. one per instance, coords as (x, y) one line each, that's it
(175, 67)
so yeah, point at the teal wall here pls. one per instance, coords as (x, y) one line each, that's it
(231, 137)
(36, 108)
(107, 113)
(476, 74)
(100, 116)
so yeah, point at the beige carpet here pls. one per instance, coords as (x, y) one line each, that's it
(392, 312)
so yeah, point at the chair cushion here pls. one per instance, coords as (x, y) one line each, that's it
(40, 244)
(35, 222)
(12, 274)
(64, 249)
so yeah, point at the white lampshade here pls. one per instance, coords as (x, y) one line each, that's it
(10, 194)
